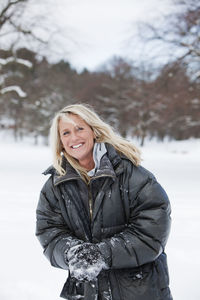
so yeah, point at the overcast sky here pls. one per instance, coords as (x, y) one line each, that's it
(102, 28)
(89, 32)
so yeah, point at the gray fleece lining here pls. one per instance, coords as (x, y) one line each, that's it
(98, 152)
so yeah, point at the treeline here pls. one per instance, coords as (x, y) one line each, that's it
(136, 101)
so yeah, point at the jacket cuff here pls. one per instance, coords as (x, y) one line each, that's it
(105, 251)
(60, 251)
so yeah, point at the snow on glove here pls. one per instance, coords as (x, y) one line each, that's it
(71, 242)
(85, 261)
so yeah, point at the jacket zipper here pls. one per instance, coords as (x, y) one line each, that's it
(90, 202)
(90, 193)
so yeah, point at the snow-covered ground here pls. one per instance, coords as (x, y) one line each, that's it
(27, 275)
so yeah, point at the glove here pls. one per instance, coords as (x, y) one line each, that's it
(85, 261)
(71, 242)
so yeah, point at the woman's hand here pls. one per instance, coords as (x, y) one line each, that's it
(85, 261)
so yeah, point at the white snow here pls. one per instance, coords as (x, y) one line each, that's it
(14, 88)
(25, 62)
(25, 272)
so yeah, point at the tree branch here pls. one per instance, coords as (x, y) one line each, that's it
(5, 16)
(26, 32)
(11, 3)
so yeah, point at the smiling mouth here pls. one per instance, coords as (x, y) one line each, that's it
(76, 146)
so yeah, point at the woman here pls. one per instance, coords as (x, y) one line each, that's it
(101, 215)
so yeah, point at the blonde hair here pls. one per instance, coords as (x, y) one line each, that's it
(102, 131)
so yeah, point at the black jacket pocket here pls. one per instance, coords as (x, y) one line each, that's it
(72, 289)
(137, 283)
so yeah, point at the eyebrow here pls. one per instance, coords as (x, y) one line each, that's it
(65, 129)
(75, 125)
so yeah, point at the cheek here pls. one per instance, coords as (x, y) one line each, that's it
(64, 142)
(91, 137)
(91, 140)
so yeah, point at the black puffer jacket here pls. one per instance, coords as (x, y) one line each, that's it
(131, 219)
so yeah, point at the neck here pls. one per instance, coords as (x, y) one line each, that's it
(87, 164)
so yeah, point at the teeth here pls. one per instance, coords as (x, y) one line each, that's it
(77, 146)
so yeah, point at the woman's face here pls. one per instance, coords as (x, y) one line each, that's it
(77, 138)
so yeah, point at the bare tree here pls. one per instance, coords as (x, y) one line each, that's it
(181, 98)
(12, 22)
(12, 29)
(177, 35)
(8, 10)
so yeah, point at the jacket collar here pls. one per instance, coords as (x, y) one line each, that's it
(110, 166)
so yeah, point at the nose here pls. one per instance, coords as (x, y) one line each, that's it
(74, 136)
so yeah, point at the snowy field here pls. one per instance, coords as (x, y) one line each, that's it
(25, 272)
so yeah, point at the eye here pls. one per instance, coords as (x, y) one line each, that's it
(65, 132)
(80, 128)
